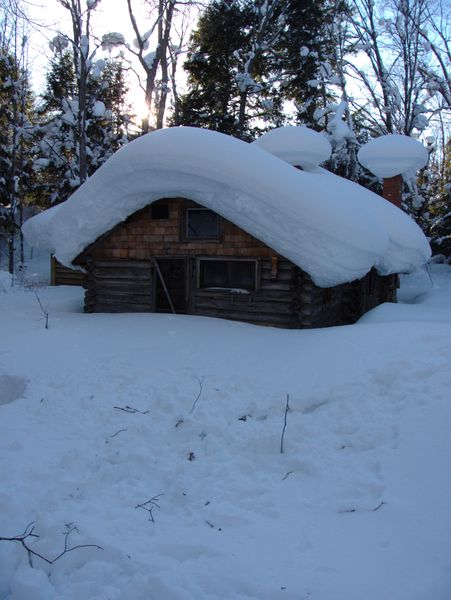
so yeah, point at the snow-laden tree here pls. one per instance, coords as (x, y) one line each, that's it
(435, 184)
(15, 115)
(254, 64)
(399, 73)
(81, 108)
(227, 73)
(304, 56)
(106, 117)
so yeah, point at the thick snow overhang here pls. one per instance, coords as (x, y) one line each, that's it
(333, 229)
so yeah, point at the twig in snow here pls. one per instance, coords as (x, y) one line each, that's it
(117, 433)
(286, 475)
(200, 381)
(29, 533)
(150, 505)
(354, 510)
(130, 409)
(287, 408)
(44, 310)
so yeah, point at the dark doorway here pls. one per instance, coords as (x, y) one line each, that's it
(173, 273)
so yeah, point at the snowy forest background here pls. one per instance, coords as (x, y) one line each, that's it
(354, 69)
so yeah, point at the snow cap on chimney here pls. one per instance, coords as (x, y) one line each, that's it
(390, 155)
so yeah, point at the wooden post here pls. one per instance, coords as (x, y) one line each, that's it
(52, 270)
(163, 283)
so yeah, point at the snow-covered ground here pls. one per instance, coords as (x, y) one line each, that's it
(356, 508)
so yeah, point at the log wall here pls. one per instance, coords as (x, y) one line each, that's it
(276, 302)
(61, 275)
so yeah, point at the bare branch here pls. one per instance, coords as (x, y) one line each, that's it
(29, 534)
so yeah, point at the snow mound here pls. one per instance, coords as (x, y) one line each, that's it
(391, 155)
(332, 228)
(5, 281)
(99, 109)
(299, 146)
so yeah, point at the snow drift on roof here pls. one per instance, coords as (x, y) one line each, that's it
(299, 146)
(391, 155)
(330, 227)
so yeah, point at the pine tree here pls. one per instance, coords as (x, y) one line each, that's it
(212, 62)
(304, 56)
(229, 77)
(440, 204)
(107, 118)
(250, 61)
(15, 159)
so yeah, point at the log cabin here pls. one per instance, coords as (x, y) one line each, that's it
(178, 256)
(201, 238)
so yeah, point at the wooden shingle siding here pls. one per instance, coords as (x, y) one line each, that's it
(140, 238)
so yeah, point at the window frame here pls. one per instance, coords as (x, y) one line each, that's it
(255, 261)
(185, 234)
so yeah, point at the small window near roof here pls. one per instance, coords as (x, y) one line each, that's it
(201, 224)
(228, 274)
(159, 210)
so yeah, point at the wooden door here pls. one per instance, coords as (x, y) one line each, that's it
(173, 273)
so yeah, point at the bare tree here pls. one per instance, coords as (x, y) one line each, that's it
(168, 27)
(435, 34)
(404, 63)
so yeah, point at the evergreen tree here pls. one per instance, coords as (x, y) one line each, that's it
(15, 159)
(212, 63)
(107, 118)
(229, 71)
(439, 176)
(250, 60)
(304, 55)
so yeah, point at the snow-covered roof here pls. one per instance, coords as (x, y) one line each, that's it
(390, 155)
(332, 228)
(299, 146)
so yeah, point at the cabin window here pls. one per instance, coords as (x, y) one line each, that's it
(201, 224)
(229, 274)
(159, 210)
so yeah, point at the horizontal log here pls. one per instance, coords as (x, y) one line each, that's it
(124, 285)
(131, 274)
(121, 308)
(124, 298)
(262, 319)
(138, 264)
(276, 285)
(244, 309)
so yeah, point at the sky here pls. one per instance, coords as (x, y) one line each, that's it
(48, 17)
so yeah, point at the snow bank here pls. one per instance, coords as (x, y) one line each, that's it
(299, 146)
(356, 508)
(332, 228)
(391, 155)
